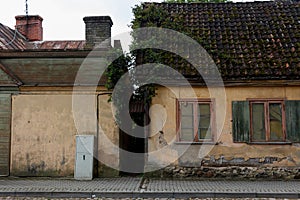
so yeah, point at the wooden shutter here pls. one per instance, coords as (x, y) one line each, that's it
(5, 118)
(292, 116)
(240, 121)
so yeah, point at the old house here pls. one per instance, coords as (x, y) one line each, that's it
(38, 81)
(248, 126)
(256, 48)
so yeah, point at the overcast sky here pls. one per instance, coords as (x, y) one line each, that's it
(63, 18)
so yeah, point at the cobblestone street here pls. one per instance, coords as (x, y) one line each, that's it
(43, 198)
(138, 188)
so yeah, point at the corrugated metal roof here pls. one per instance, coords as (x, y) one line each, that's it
(11, 39)
(62, 45)
(48, 63)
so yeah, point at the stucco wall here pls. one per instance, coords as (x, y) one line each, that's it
(108, 141)
(43, 135)
(225, 152)
(43, 131)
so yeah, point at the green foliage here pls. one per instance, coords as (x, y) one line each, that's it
(149, 15)
(117, 69)
(113, 73)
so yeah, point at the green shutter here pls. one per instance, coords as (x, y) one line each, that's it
(240, 121)
(5, 117)
(292, 116)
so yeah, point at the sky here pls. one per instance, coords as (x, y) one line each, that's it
(63, 19)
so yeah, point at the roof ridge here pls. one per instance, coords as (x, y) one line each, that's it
(229, 2)
(60, 41)
(57, 44)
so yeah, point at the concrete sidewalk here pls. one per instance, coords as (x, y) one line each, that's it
(128, 187)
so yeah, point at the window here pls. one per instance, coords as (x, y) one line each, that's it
(195, 120)
(266, 121)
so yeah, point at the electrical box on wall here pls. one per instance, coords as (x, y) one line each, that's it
(84, 160)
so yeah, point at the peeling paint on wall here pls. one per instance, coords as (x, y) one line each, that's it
(224, 151)
(162, 142)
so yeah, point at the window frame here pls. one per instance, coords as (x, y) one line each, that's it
(196, 139)
(267, 103)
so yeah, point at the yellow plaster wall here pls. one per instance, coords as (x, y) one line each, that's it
(44, 131)
(43, 135)
(108, 141)
(288, 155)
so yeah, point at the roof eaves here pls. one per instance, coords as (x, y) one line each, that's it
(53, 53)
(11, 75)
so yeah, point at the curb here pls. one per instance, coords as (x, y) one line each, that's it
(148, 195)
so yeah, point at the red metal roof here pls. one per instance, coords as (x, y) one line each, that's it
(63, 45)
(47, 62)
(11, 39)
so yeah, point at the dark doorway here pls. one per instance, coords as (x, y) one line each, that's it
(135, 142)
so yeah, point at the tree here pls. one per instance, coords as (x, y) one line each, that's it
(150, 15)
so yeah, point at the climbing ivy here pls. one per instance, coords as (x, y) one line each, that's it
(146, 15)
(117, 68)
(150, 15)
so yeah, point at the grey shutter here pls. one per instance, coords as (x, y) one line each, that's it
(240, 121)
(292, 116)
(5, 117)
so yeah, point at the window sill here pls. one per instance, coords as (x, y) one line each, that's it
(271, 143)
(196, 143)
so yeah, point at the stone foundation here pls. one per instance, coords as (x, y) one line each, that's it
(230, 172)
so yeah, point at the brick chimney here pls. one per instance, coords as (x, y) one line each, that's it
(98, 31)
(30, 26)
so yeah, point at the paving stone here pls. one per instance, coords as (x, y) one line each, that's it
(179, 186)
(163, 188)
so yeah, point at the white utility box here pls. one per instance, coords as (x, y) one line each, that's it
(84, 161)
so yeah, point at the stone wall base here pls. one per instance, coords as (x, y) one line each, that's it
(230, 172)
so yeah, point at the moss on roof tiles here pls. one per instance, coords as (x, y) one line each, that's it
(253, 40)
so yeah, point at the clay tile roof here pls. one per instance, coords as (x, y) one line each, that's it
(11, 39)
(253, 40)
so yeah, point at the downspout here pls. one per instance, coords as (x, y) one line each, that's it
(97, 134)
